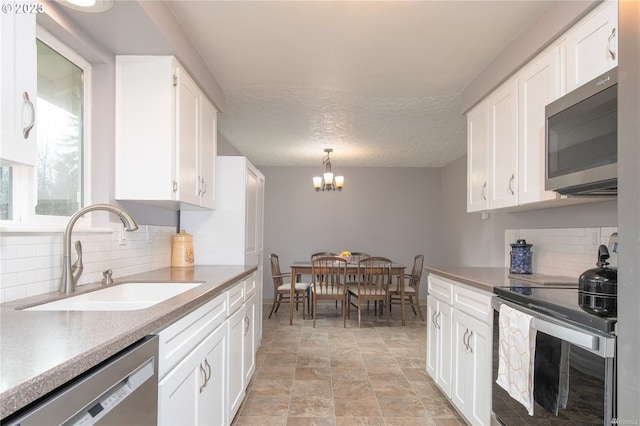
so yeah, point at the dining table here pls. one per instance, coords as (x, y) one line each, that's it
(303, 267)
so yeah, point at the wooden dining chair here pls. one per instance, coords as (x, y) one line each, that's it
(282, 289)
(372, 284)
(329, 282)
(322, 254)
(411, 288)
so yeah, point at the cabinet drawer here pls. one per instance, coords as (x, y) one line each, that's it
(235, 297)
(440, 288)
(249, 287)
(181, 337)
(474, 303)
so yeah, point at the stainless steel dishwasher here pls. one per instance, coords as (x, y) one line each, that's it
(123, 390)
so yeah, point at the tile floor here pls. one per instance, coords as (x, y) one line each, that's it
(330, 375)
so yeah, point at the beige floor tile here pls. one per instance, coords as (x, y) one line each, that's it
(312, 388)
(311, 421)
(311, 406)
(331, 375)
(360, 421)
(357, 406)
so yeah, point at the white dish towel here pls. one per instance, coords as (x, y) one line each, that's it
(517, 348)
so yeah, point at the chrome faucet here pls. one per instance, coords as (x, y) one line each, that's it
(71, 273)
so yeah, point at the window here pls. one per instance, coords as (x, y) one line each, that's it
(60, 135)
(55, 188)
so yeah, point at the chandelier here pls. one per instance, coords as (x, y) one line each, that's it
(327, 181)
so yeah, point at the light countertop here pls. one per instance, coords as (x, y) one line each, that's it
(488, 278)
(42, 350)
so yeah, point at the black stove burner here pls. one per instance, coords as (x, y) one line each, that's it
(558, 302)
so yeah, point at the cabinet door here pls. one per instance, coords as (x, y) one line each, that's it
(592, 45)
(503, 142)
(444, 371)
(432, 337)
(18, 86)
(472, 368)
(249, 348)
(539, 85)
(178, 392)
(478, 158)
(251, 232)
(145, 128)
(235, 359)
(207, 150)
(187, 131)
(212, 403)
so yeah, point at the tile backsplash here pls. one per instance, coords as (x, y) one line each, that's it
(563, 251)
(31, 263)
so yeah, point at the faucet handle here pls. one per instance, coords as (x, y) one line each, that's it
(106, 277)
(77, 267)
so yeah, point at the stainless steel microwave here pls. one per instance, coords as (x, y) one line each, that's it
(582, 139)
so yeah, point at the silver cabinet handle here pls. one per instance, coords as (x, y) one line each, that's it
(513, 176)
(438, 325)
(246, 325)
(484, 191)
(204, 378)
(433, 319)
(469, 341)
(464, 339)
(199, 186)
(175, 186)
(206, 363)
(203, 186)
(611, 37)
(32, 115)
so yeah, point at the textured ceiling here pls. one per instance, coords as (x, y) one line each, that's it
(377, 81)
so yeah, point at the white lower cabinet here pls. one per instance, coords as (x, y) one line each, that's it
(439, 343)
(459, 346)
(472, 364)
(235, 380)
(193, 393)
(207, 359)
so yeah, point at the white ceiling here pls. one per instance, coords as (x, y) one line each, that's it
(377, 81)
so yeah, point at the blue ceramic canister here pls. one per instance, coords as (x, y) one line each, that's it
(521, 258)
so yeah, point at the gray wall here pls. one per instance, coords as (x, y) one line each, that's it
(629, 211)
(554, 21)
(471, 241)
(391, 212)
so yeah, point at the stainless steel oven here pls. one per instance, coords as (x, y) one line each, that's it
(580, 389)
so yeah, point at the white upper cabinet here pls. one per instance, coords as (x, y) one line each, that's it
(478, 158)
(19, 87)
(538, 85)
(506, 130)
(592, 45)
(492, 150)
(165, 135)
(207, 150)
(503, 146)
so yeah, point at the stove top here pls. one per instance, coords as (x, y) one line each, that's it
(558, 302)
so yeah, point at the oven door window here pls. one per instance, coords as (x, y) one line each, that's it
(581, 394)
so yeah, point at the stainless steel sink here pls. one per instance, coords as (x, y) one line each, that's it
(121, 297)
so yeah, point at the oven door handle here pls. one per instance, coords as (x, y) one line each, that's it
(599, 345)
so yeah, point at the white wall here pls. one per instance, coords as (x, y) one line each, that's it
(31, 263)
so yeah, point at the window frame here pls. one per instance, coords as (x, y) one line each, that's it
(24, 189)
